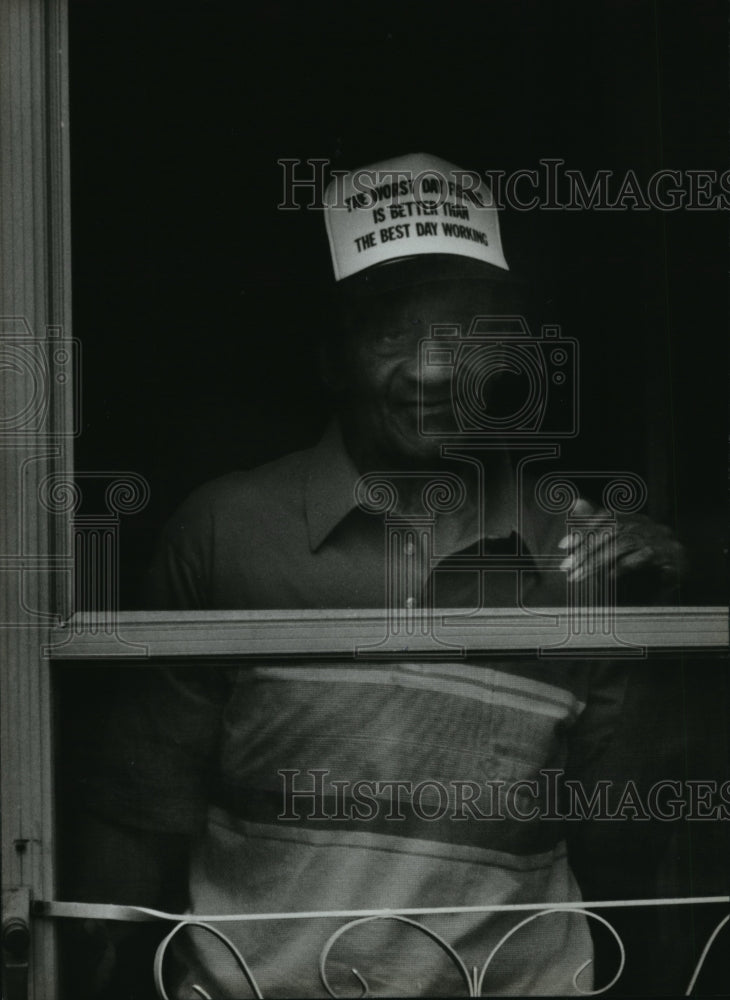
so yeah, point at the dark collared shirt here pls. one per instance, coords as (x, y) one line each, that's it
(292, 534)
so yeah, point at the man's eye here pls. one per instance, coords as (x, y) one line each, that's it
(389, 337)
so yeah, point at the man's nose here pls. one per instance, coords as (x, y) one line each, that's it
(426, 371)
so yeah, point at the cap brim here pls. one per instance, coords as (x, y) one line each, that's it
(423, 269)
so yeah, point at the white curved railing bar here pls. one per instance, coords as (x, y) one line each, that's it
(473, 981)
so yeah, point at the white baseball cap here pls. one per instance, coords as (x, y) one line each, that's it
(408, 207)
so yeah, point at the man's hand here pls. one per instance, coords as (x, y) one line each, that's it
(638, 546)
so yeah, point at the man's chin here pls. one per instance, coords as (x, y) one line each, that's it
(393, 444)
(415, 449)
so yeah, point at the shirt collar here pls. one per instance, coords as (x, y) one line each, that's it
(330, 496)
(329, 492)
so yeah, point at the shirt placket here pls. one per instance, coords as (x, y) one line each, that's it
(413, 563)
(410, 551)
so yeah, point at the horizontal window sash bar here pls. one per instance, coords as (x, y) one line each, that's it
(365, 634)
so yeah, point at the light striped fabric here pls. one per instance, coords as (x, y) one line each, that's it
(446, 723)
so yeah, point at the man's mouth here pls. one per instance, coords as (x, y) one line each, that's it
(434, 404)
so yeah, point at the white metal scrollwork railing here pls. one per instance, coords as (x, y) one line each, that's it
(473, 979)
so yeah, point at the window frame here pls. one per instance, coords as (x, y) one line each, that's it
(37, 428)
(638, 632)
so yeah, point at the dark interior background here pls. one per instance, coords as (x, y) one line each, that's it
(198, 302)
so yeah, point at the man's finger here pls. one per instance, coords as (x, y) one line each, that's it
(588, 547)
(597, 550)
(633, 560)
(590, 559)
(636, 532)
(569, 541)
(629, 553)
(583, 506)
(577, 540)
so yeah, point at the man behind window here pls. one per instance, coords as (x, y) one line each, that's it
(375, 783)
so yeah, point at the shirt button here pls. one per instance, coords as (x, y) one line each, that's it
(409, 548)
(409, 602)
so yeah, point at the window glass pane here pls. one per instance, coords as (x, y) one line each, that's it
(216, 341)
(385, 786)
(202, 306)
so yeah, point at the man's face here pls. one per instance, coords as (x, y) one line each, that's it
(380, 383)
